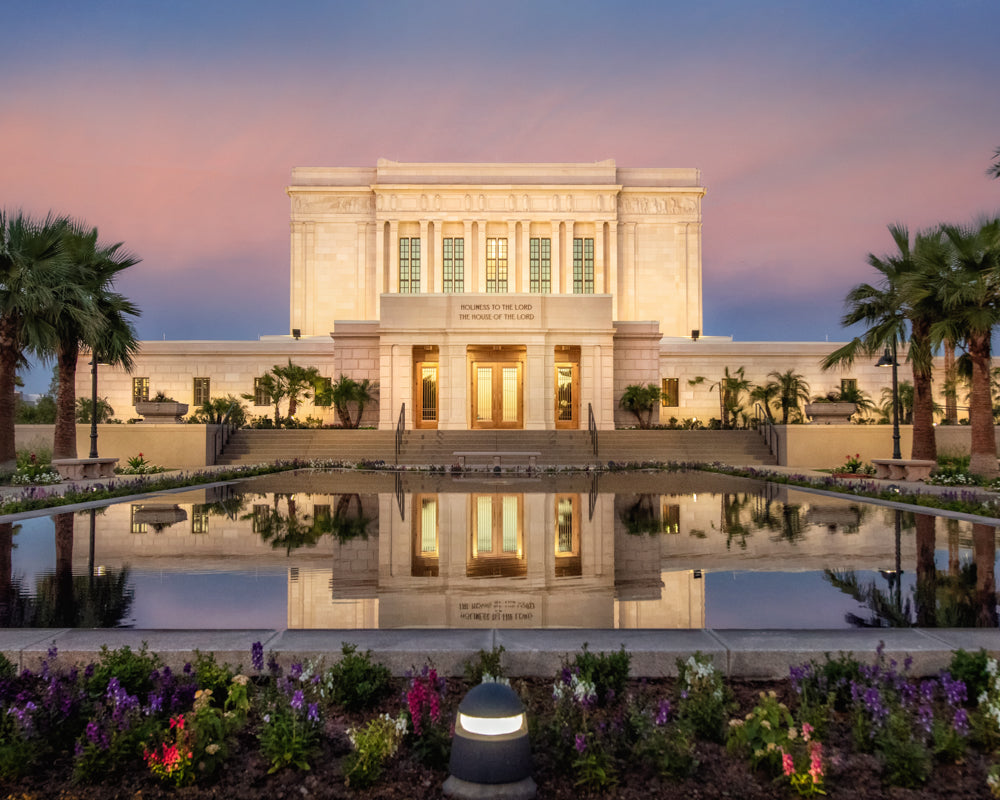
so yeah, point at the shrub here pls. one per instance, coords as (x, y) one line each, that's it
(703, 699)
(213, 677)
(608, 672)
(971, 669)
(488, 665)
(133, 670)
(374, 744)
(355, 682)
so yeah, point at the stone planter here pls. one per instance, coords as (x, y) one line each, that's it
(830, 413)
(160, 413)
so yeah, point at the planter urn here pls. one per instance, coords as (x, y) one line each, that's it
(169, 412)
(830, 413)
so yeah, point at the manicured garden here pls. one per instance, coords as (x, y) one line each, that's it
(127, 726)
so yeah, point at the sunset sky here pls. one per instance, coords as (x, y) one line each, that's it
(174, 127)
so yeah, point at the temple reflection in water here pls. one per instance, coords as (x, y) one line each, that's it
(632, 550)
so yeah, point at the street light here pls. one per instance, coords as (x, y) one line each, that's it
(888, 359)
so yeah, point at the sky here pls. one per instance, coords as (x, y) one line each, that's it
(174, 126)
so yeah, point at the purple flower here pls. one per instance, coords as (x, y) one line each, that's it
(257, 656)
(581, 743)
(297, 700)
(663, 712)
(188, 668)
(313, 714)
(960, 722)
(296, 670)
(925, 718)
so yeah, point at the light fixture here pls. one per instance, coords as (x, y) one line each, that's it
(490, 753)
(695, 333)
(296, 333)
(886, 359)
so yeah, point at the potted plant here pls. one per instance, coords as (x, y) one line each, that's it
(161, 409)
(830, 409)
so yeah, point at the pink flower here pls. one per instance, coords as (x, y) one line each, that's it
(787, 764)
(807, 730)
(816, 762)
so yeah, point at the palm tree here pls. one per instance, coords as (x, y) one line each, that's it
(906, 397)
(33, 267)
(641, 401)
(84, 406)
(793, 389)
(971, 297)
(273, 387)
(897, 302)
(99, 320)
(346, 392)
(765, 394)
(994, 170)
(298, 381)
(213, 411)
(731, 388)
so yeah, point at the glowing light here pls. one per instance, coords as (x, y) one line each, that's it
(491, 726)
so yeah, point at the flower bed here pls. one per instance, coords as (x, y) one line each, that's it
(127, 726)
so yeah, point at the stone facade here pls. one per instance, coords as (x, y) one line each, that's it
(489, 296)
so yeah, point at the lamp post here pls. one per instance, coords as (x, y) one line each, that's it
(888, 359)
(93, 404)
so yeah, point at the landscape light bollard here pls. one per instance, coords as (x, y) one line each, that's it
(888, 359)
(490, 752)
(93, 406)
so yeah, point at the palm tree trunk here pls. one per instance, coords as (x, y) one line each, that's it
(924, 444)
(64, 437)
(65, 608)
(984, 549)
(950, 377)
(983, 460)
(926, 594)
(8, 375)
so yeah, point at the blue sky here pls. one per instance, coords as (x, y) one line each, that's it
(174, 127)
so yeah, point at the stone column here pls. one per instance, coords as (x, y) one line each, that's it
(567, 287)
(393, 260)
(379, 265)
(612, 270)
(363, 303)
(627, 308)
(599, 258)
(513, 279)
(297, 294)
(556, 259)
(524, 285)
(481, 257)
(426, 270)
(467, 264)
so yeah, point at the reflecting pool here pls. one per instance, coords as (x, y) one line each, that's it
(376, 550)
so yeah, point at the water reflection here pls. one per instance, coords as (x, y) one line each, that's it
(349, 550)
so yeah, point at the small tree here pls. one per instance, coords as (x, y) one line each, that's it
(84, 409)
(213, 412)
(273, 387)
(347, 392)
(641, 401)
(793, 389)
(298, 382)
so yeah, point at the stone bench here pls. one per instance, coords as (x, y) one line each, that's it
(497, 456)
(903, 469)
(75, 469)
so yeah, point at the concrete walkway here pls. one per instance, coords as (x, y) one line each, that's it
(763, 654)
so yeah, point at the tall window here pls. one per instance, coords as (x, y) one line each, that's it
(848, 385)
(202, 391)
(540, 265)
(140, 389)
(453, 264)
(261, 397)
(409, 266)
(583, 266)
(669, 393)
(496, 265)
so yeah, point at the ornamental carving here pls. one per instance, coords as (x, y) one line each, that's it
(658, 204)
(334, 204)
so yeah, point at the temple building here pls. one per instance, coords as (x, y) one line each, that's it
(487, 296)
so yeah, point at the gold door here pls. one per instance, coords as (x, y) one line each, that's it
(497, 394)
(567, 396)
(425, 413)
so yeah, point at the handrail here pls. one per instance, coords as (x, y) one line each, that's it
(400, 427)
(592, 427)
(766, 428)
(225, 430)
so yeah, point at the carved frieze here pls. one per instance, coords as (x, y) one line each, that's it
(334, 204)
(684, 204)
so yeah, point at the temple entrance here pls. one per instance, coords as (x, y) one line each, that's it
(567, 387)
(425, 390)
(497, 387)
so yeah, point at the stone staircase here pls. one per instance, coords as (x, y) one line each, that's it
(439, 448)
